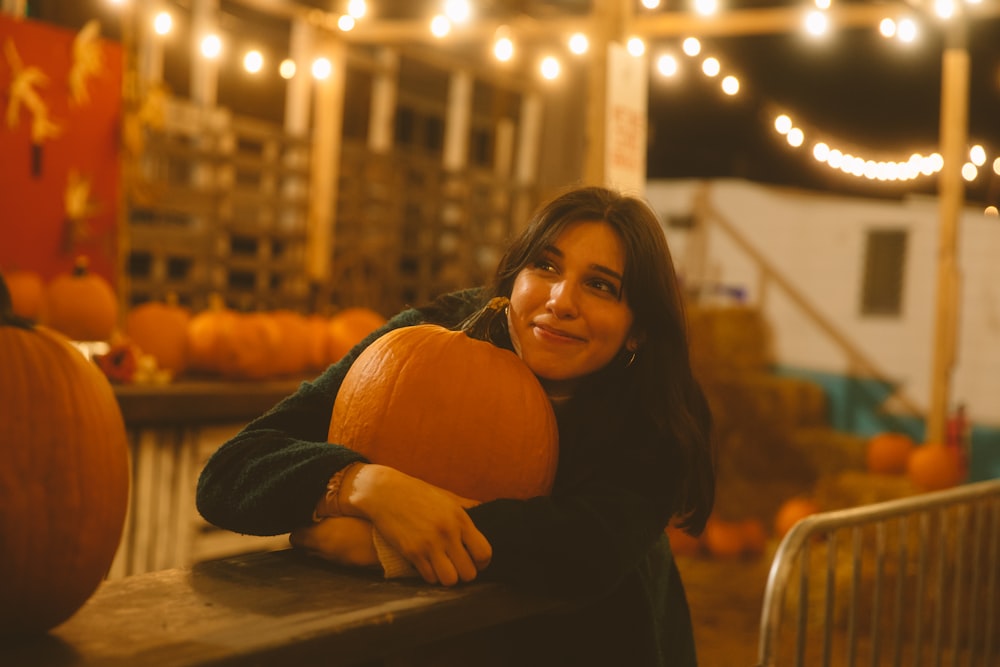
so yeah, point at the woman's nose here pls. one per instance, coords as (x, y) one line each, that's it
(562, 300)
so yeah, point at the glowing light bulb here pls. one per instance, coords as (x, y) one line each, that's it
(978, 155)
(550, 67)
(163, 23)
(578, 43)
(996, 166)
(458, 11)
(287, 68)
(730, 85)
(636, 47)
(887, 28)
(710, 66)
(666, 65)
(440, 26)
(650, 4)
(991, 211)
(969, 171)
(795, 137)
(253, 61)
(322, 69)
(821, 152)
(357, 8)
(211, 46)
(706, 7)
(906, 31)
(346, 23)
(691, 46)
(783, 124)
(816, 23)
(503, 49)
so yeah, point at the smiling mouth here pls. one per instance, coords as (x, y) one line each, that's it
(557, 333)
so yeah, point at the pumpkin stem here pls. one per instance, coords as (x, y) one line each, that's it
(7, 316)
(488, 321)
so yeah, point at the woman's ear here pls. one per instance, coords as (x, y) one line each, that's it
(634, 342)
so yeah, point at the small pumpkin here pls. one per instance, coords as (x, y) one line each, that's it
(452, 410)
(159, 329)
(27, 294)
(82, 305)
(349, 327)
(64, 479)
(723, 538)
(933, 467)
(208, 333)
(887, 453)
(292, 355)
(791, 512)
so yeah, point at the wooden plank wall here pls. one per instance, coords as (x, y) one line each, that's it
(222, 202)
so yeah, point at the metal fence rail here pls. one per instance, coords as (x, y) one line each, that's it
(909, 582)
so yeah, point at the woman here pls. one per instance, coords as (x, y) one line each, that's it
(596, 313)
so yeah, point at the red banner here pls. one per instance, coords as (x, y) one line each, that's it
(60, 114)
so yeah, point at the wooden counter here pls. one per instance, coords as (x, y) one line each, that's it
(193, 401)
(172, 429)
(278, 608)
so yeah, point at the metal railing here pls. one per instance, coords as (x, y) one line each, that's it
(908, 582)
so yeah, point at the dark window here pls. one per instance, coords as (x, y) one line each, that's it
(885, 259)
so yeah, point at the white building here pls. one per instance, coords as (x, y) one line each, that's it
(848, 286)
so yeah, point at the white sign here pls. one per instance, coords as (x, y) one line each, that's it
(625, 120)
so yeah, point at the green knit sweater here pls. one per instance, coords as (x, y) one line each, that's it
(597, 541)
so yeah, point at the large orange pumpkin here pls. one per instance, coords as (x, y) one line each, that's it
(452, 410)
(887, 453)
(933, 467)
(82, 305)
(64, 477)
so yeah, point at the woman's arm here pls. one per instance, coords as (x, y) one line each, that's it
(267, 479)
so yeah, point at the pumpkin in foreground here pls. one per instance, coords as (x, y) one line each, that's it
(64, 478)
(452, 410)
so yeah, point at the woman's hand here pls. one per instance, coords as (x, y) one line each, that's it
(345, 540)
(426, 524)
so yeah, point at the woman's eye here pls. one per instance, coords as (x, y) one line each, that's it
(545, 265)
(605, 286)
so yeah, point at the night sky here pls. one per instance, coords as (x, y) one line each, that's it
(856, 89)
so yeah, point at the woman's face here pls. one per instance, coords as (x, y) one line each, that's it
(568, 316)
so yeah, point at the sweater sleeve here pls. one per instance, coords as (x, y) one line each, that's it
(266, 479)
(582, 541)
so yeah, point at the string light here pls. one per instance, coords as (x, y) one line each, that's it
(322, 68)
(253, 61)
(550, 67)
(440, 26)
(503, 49)
(211, 46)
(163, 23)
(458, 11)
(636, 47)
(578, 43)
(357, 9)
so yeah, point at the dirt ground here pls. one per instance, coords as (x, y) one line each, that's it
(725, 598)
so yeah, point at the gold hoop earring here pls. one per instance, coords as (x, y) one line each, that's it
(631, 360)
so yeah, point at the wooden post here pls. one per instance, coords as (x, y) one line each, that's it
(328, 115)
(457, 123)
(204, 71)
(381, 128)
(951, 193)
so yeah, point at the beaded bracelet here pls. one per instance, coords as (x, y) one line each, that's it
(331, 501)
